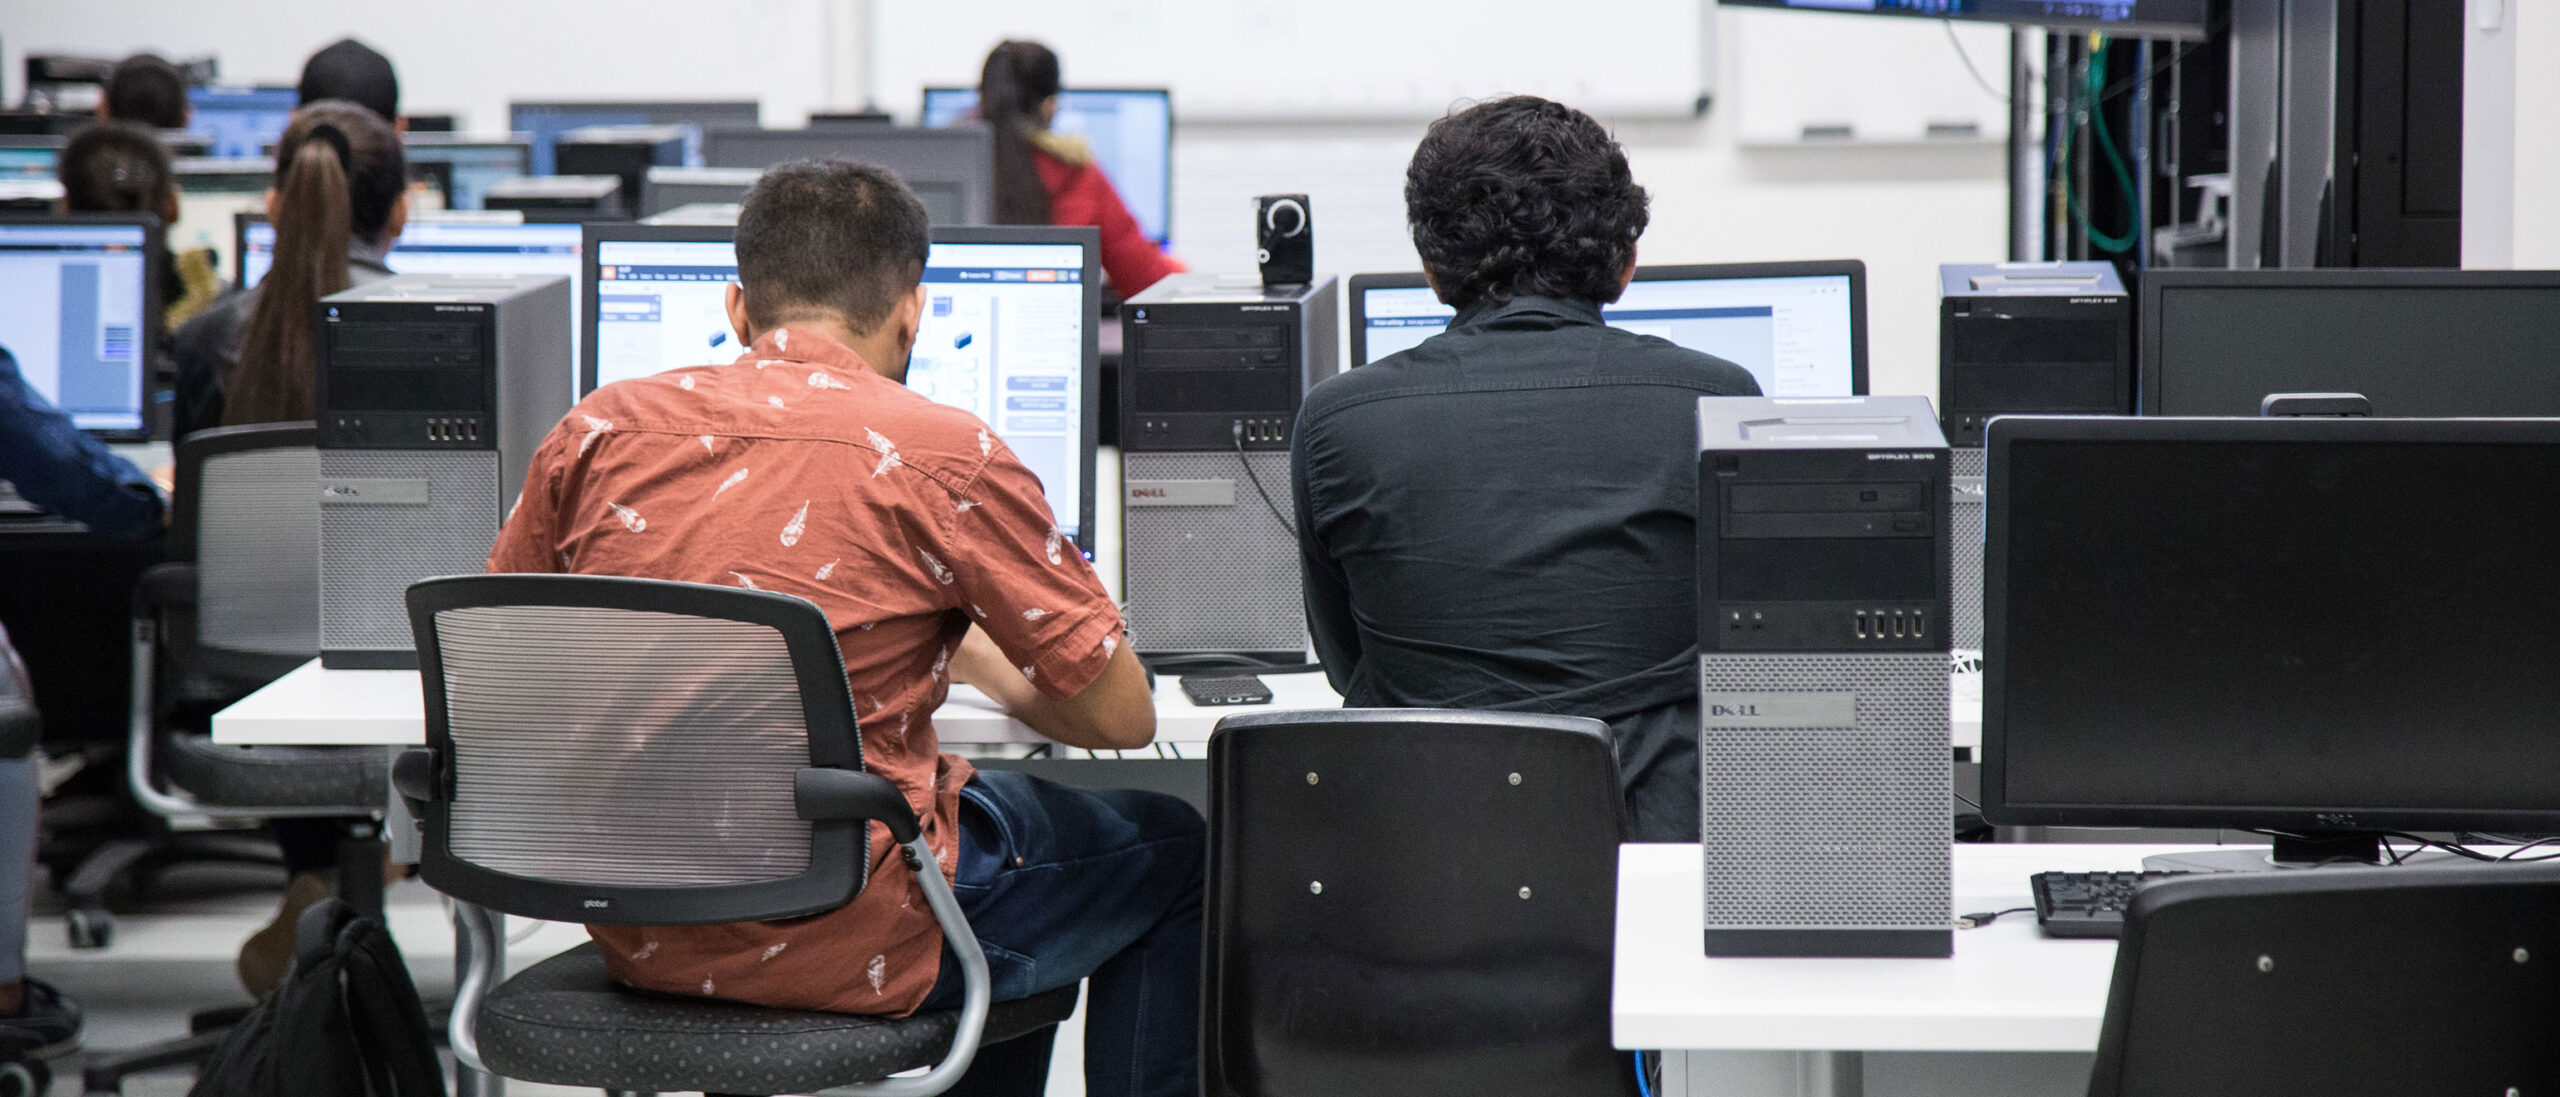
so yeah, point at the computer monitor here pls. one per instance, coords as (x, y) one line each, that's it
(952, 170)
(1009, 332)
(30, 156)
(1130, 130)
(77, 306)
(2417, 343)
(1800, 328)
(543, 123)
(2316, 627)
(664, 189)
(474, 165)
(482, 243)
(2129, 18)
(241, 122)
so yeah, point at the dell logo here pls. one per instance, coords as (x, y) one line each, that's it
(1146, 493)
(1733, 710)
(342, 491)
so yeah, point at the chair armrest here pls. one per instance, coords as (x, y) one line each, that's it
(164, 586)
(413, 777)
(821, 794)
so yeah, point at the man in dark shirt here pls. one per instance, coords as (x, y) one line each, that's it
(1505, 517)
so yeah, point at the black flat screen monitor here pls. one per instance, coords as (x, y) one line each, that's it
(951, 170)
(78, 304)
(474, 165)
(1129, 129)
(2417, 343)
(2320, 627)
(543, 123)
(1799, 328)
(2126, 18)
(1009, 332)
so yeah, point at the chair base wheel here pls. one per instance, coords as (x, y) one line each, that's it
(88, 929)
(25, 1078)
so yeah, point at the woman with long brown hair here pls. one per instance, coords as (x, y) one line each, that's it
(340, 200)
(1044, 178)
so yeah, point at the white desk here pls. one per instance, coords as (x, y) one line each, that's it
(314, 706)
(2007, 989)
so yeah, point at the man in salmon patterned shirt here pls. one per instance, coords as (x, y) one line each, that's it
(808, 468)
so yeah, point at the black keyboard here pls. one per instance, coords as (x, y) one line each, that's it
(2088, 904)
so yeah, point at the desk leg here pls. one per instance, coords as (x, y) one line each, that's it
(1763, 1074)
(468, 1082)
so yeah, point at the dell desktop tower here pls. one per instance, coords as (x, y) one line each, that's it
(2021, 339)
(434, 391)
(1822, 600)
(1211, 374)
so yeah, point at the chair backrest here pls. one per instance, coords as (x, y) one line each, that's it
(2418, 979)
(1410, 901)
(624, 751)
(248, 513)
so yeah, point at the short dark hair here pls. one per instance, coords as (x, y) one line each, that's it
(115, 167)
(829, 235)
(350, 70)
(1523, 196)
(148, 90)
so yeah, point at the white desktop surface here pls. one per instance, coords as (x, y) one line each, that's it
(315, 706)
(2007, 988)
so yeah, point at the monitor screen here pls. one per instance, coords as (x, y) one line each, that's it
(477, 166)
(75, 310)
(1006, 334)
(2294, 624)
(241, 122)
(1130, 130)
(469, 246)
(1799, 328)
(544, 123)
(2415, 343)
(29, 161)
(2147, 18)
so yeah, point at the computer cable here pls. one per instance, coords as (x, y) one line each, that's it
(1984, 918)
(1243, 459)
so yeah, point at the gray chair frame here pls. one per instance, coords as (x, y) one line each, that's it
(839, 798)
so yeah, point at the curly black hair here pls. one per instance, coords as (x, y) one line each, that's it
(1523, 196)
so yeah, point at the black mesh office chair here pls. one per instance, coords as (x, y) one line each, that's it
(2418, 979)
(578, 728)
(240, 613)
(1410, 902)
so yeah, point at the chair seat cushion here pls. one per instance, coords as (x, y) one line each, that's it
(358, 778)
(564, 1021)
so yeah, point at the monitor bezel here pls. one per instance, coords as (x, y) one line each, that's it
(1088, 238)
(2169, 29)
(978, 203)
(1853, 269)
(1171, 127)
(154, 242)
(2155, 283)
(2006, 431)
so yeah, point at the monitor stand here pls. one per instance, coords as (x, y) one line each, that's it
(2319, 850)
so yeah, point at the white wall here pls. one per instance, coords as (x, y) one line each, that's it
(1903, 209)
(2511, 135)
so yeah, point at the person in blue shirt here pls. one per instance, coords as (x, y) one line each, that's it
(70, 474)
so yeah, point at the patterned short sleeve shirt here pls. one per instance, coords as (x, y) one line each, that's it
(798, 469)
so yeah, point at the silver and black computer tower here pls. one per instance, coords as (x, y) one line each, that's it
(434, 391)
(1211, 374)
(1824, 766)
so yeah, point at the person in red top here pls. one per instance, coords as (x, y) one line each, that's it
(807, 468)
(1043, 178)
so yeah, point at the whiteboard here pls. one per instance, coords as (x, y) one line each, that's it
(1315, 59)
(1828, 78)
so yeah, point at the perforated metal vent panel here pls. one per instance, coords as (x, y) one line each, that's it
(1964, 532)
(1826, 828)
(599, 746)
(370, 554)
(1214, 578)
(258, 552)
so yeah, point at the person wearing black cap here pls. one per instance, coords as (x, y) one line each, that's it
(350, 70)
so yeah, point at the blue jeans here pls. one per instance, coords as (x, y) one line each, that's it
(1066, 884)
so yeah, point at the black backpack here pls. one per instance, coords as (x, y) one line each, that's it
(346, 1021)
